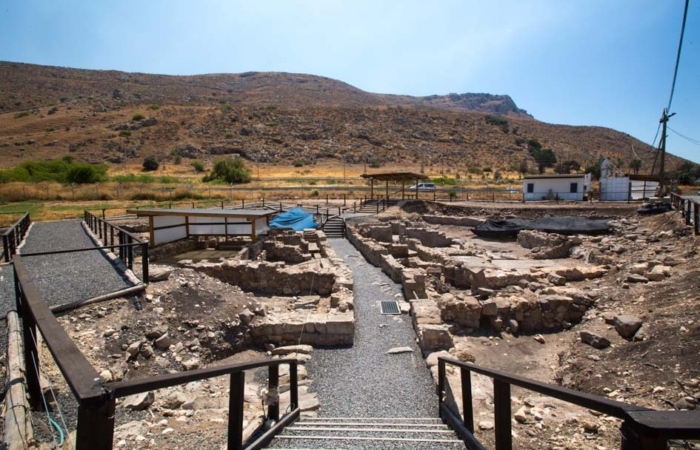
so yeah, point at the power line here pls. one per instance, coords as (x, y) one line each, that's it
(678, 56)
(689, 139)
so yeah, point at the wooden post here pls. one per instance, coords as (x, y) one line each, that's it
(95, 425)
(235, 411)
(502, 413)
(633, 440)
(386, 189)
(371, 188)
(273, 410)
(467, 407)
(293, 386)
(441, 382)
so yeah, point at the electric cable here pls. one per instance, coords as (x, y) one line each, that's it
(678, 56)
(689, 139)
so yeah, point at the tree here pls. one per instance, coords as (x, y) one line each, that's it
(231, 170)
(198, 166)
(150, 164)
(523, 166)
(567, 166)
(594, 170)
(635, 165)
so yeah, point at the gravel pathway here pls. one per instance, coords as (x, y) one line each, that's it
(7, 289)
(363, 381)
(69, 277)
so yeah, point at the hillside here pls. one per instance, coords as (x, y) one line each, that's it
(48, 112)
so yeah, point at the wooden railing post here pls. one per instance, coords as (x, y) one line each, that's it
(293, 386)
(235, 411)
(467, 407)
(273, 409)
(441, 383)
(144, 262)
(6, 247)
(633, 440)
(95, 425)
(502, 413)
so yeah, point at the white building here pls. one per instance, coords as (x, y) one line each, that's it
(630, 187)
(556, 187)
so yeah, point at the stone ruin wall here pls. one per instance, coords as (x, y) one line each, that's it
(330, 277)
(529, 301)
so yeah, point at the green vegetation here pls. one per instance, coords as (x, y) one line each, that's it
(635, 165)
(687, 173)
(137, 117)
(177, 159)
(154, 107)
(444, 181)
(475, 171)
(314, 193)
(229, 135)
(298, 164)
(198, 166)
(533, 145)
(375, 162)
(50, 129)
(497, 121)
(150, 164)
(132, 178)
(567, 167)
(487, 169)
(124, 133)
(22, 114)
(231, 170)
(63, 170)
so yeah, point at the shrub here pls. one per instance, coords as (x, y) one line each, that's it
(62, 170)
(137, 117)
(375, 162)
(475, 170)
(154, 107)
(50, 129)
(229, 135)
(187, 196)
(232, 170)
(150, 164)
(82, 174)
(177, 159)
(124, 133)
(452, 195)
(22, 114)
(314, 193)
(143, 196)
(497, 121)
(487, 169)
(298, 164)
(198, 166)
(533, 145)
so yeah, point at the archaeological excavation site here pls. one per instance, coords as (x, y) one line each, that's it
(410, 324)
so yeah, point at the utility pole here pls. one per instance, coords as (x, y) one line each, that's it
(663, 120)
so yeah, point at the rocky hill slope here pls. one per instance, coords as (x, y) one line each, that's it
(47, 112)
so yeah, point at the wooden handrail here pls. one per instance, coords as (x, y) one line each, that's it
(14, 235)
(642, 427)
(120, 389)
(97, 400)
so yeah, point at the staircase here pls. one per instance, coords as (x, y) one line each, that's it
(334, 227)
(375, 433)
(375, 206)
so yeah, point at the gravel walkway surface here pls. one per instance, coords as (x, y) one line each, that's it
(363, 381)
(7, 289)
(66, 278)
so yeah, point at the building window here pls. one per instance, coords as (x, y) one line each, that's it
(574, 188)
(530, 188)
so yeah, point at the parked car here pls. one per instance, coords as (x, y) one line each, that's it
(423, 187)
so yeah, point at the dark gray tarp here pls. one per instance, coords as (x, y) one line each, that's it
(561, 225)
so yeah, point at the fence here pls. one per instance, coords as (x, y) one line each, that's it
(97, 400)
(126, 242)
(14, 235)
(642, 428)
(690, 208)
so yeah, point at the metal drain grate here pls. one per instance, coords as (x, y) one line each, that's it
(390, 307)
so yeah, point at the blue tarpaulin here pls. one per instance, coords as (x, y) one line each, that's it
(297, 219)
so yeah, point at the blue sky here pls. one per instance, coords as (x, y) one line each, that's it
(582, 62)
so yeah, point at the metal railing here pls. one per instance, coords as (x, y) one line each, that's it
(97, 399)
(642, 428)
(118, 238)
(14, 236)
(690, 210)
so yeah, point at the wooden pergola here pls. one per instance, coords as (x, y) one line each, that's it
(394, 176)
